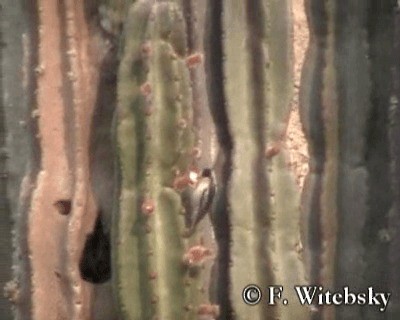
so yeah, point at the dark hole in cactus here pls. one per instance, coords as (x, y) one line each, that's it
(63, 206)
(95, 264)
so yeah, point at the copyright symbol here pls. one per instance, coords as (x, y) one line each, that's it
(251, 295)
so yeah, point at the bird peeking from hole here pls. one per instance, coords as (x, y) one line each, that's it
(201, 199)
(95, 262)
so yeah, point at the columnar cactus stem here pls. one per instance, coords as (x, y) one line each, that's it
(265, 235)
(346, 96)
(20, 151)
(56, 94)
(153, 262)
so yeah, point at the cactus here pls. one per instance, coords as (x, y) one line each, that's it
(141, 114)
(346, 103)
(48, 99)
(160, 125)
(251, 108)
(19, 154)
(155, 138)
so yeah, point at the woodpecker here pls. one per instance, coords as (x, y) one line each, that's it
(201, 198)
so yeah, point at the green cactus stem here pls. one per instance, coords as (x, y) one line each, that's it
(255, 62)
(153, 262)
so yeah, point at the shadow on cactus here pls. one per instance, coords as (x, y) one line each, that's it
(95, 264)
